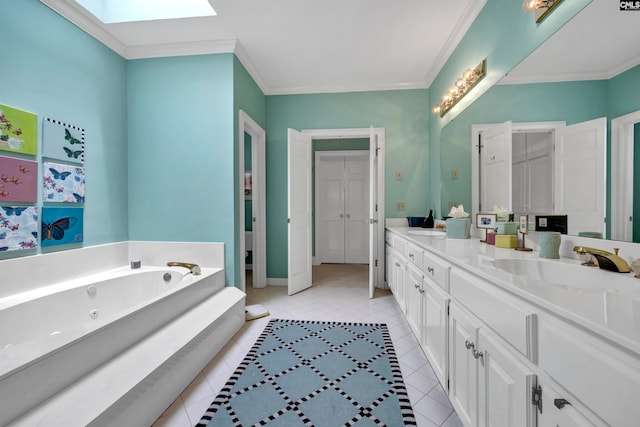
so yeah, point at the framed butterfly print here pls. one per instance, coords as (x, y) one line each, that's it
(62, 141)
(61, 226)
(18, 228)
(18, 180)
(62, 183)
(18, 131)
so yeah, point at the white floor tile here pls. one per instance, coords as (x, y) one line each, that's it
(323, 303)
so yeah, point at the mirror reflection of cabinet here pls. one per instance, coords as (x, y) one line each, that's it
(532, 172)
(575, 170)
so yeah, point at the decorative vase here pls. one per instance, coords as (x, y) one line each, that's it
(549, 242)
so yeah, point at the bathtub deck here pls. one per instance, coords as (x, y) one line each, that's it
(128, 384)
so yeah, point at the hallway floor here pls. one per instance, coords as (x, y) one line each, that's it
(331, 300)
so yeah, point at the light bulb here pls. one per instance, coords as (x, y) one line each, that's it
(529, 6)
(453, 90)
(468, 74)
(460, 83)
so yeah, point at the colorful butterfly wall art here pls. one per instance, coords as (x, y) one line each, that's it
(62, 183)
(62, 141)
(18, 228)
(61, 225)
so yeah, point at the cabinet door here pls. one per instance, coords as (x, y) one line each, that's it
(414, 300)
(463, 375)
(434, 328)
(559, 412)
(389, 270)
(399, 277)
(505, 386)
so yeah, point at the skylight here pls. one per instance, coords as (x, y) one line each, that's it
(113, 11)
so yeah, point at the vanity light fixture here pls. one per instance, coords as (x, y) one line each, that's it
(462, 86)
(541, 8)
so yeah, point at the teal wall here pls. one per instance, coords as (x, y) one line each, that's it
(52, 68)
(181, 151)
(247, 96)
(403, 114)
(502, 34)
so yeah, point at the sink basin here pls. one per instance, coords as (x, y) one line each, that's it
(426, 232)
(566, 274)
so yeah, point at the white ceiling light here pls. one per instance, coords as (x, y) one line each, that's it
(113, 11)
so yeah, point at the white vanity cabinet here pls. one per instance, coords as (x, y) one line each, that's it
(598, 381)
(414, 299)
(489, 385)
(509, 356)
(434, 328)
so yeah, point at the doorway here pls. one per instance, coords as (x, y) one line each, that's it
(252, 191)
(341, 207)
(299, 192)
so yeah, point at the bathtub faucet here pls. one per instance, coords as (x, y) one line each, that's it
(194, 268)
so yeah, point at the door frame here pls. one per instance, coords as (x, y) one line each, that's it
(258, 197)
(318, 206)
(373, 134)
(621, 167)
(475, 157)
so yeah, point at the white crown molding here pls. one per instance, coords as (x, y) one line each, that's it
(84, 20)
(242, 56)
(462, 26)
(180, 49)
(342, 89)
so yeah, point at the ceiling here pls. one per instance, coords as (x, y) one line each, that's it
(304, 46)
(599, 43)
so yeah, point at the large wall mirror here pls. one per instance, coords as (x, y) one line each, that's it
(584, 78)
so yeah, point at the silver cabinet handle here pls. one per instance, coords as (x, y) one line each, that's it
(397, 264)
(348, 216)
(469, 345)
(477, 354)
(416, 286)
(430, 270)
(421, 291)
(341, 216)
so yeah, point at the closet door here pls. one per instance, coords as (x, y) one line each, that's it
(356, 210)
(332, 213)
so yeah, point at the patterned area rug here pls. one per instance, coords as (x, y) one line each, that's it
(321, 374)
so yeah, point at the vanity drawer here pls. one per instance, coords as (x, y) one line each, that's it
(511, 319)
(436, 269)
(414, 254)
(601, 377)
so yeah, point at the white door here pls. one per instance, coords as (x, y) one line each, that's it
(356, 232)
(580, 156)
(495, 167)
(373, 211)
(435, 342)
(299, 211)
(331, 209)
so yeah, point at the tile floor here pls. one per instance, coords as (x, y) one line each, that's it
(327, 303)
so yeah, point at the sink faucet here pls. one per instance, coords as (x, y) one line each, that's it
(606, 260)
(194, 268)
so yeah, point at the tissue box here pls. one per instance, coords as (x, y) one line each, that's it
(506, 241)
(504, 227)
(458, 228)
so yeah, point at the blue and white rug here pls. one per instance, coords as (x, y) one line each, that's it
(321, 374)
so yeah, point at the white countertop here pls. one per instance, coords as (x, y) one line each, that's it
(610, 311)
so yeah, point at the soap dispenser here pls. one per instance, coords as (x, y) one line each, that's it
(428, 221)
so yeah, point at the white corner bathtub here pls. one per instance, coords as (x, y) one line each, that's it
(56, 338)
